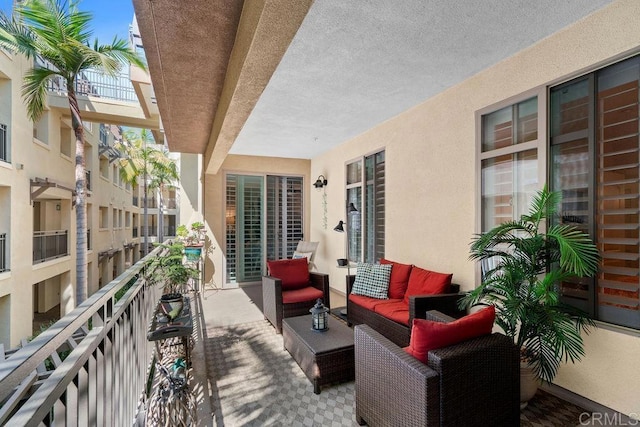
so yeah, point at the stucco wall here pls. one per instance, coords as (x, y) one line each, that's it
(214, 203)
(431, 182)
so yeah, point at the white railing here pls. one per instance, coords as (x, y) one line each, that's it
(104, 376)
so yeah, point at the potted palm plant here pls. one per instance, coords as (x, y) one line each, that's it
(528, 266)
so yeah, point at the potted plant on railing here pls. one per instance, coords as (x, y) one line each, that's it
(194, 241)
(524, 286)
(168, 271)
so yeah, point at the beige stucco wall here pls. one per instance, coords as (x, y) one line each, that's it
(431, 182)
(214, 203)
(32, 159)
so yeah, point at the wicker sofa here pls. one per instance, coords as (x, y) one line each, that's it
(399, 333)
(472, 383)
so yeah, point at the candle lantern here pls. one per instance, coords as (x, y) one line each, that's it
(319, 317)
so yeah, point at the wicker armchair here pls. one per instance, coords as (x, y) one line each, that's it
(275, 310)
(473, 383)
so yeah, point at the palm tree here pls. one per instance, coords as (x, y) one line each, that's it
(58, 33)
(524, 283)
(140, 159)
(164, 174)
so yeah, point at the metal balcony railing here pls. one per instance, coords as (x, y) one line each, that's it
(135, 201)
(171, 203)
(94, 83)
(134, 231)
(152, 202)
(4, 263)
(87, 178)
(89, 239)
(49, 245)
(4, 146)
(103, 378)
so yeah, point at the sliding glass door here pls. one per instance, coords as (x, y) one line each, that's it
(263, 216)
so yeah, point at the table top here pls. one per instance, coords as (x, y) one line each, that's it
(338, 336)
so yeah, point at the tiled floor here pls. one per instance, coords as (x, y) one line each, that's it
(254, 380)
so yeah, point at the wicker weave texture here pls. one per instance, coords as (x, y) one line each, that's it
(275, 310)
(325, 357)
(474, 383)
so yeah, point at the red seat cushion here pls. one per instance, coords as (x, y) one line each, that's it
(368, 302)
(425, 282)
(427, 335)
(399, 278)
(397, 311)
(294, 273)
(308, 293)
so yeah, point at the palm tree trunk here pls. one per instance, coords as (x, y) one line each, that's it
(145, 211)
(80, 197)
(160, 216)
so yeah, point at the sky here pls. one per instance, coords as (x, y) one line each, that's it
(110, 17)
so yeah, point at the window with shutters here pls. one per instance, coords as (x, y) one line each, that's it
(284, 215)
(595, 163)
(365, 225)
(264, 220)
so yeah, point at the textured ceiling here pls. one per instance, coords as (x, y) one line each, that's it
(354, 64)
(289, 78)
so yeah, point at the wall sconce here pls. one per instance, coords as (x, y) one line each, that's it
(58, 207)
(320, 182)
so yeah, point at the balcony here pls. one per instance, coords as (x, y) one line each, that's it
(4, 262)
(87, 178)
(104, 373)
(134, 201)
(48, 245)
(93, 367)
(4, 147)
(134, 232)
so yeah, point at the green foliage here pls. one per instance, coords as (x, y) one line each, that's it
(182, 231)
(56, 31)
(524, 284)
(168, 270)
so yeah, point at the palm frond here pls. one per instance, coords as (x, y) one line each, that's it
(34, 90)
(578, 254)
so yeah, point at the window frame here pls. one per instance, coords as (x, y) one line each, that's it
(539, 144)
(362, 184)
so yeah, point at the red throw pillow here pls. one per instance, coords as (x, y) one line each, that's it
(425, 282)
(399, 278)
(427, 335)
(294, 273)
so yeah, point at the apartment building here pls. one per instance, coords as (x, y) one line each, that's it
(37, 218)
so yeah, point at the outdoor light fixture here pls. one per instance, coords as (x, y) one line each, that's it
(320, 182)
(319, 317)
(342, 262)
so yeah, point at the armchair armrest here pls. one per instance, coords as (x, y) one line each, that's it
(321, 281)
(444, 303)
(487, 368)
(391, 384)
(272, 300)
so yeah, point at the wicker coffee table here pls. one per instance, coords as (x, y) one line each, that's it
(325, 357)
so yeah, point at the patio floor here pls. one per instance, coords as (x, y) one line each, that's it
(252, 380)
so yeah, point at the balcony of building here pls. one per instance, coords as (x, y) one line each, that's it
(102, 99)
(52, 221)
(97, 366)
(4, 262)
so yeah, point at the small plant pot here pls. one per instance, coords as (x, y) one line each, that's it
(193, 252)
(342, 262)
(171, 305)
